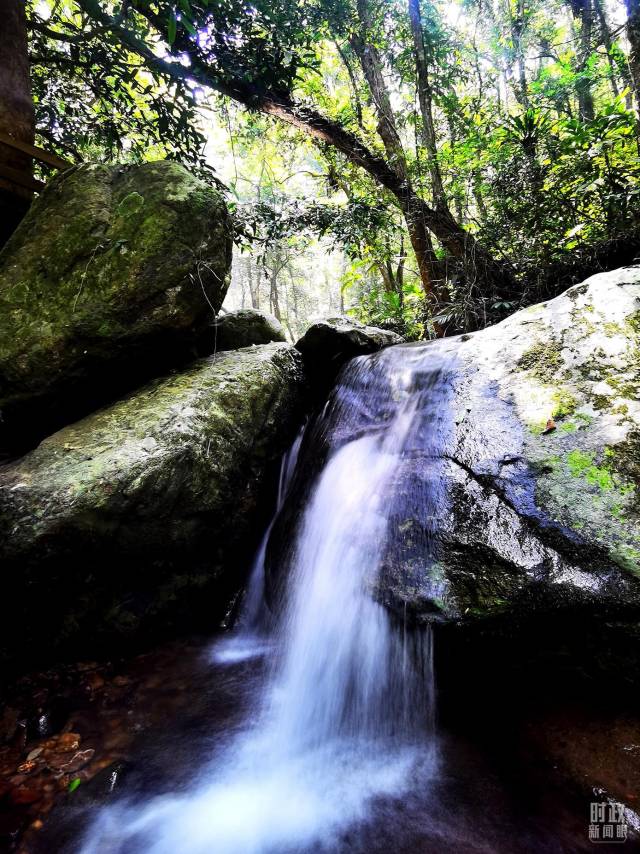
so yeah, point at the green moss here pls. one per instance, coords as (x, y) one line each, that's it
(633, 321)
(581, 317)
(579, 421)
(624, 460)
(612, 329)
(601, 401)
(564, 403)
(586, 420)
(130, 205)
(581, 464)
(543, 360)
(628, 557)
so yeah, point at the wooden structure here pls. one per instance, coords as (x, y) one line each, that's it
(24, 179)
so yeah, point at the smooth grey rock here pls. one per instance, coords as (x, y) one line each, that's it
(536, 520)
(327, 345)
(245, 327)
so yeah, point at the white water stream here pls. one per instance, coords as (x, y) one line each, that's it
(346, 716)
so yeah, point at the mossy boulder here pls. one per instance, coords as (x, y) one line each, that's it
(542, 469)
(245, 327)
(107, 281)
(141, 518)
(327, 345)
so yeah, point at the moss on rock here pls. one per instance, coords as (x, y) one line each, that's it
(107, 520)
(113, 270)
(542, 517)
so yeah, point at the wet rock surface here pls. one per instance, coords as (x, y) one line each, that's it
(107, 281)
(540, 461)
(142, 518)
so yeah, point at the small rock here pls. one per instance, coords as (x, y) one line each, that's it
(8, 723)
(244, 328)
(94, 682)
(64, 743)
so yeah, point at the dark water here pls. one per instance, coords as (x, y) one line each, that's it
(489, 794)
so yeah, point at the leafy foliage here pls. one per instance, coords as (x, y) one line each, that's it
(534, 120)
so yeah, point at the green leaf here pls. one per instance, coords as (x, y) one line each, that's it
(172, 27)
(73, 785)
(188, 25)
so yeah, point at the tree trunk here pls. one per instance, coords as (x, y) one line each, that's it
(605, 38)
(583, 11)
(16, 115)
(425, 100)
(633, 35)
(274, 301)
(517, 34)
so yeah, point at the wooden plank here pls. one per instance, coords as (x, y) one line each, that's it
(35, 152)
(20, 178)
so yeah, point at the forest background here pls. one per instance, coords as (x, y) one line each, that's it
(423, 165)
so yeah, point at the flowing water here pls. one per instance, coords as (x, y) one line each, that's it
(344, 718)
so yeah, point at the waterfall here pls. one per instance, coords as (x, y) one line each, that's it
(347, 708)
(250, 637)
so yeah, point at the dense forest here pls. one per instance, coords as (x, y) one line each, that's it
(463, 159)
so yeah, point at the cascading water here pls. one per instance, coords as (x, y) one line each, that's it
(346, 715)
(250, 637)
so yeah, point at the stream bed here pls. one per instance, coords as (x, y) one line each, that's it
(155, 722)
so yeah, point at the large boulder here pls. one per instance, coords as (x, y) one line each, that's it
(541, 467)
(106, 282)
(142, 517)
(245, 327)
(327, 345)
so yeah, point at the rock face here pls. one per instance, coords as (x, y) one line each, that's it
(328, 345)
(245, 327)
(542, 470)
(141, 517)
(106, 282)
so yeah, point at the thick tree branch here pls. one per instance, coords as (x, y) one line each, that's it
(478, 263)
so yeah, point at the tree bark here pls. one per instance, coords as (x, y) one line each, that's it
(605, 38)
(425, 99)
(517, 29)
(633, 35)
(274, 298)
(583, 12)
(17, 118)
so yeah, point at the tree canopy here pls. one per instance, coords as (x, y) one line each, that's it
(485, 152)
